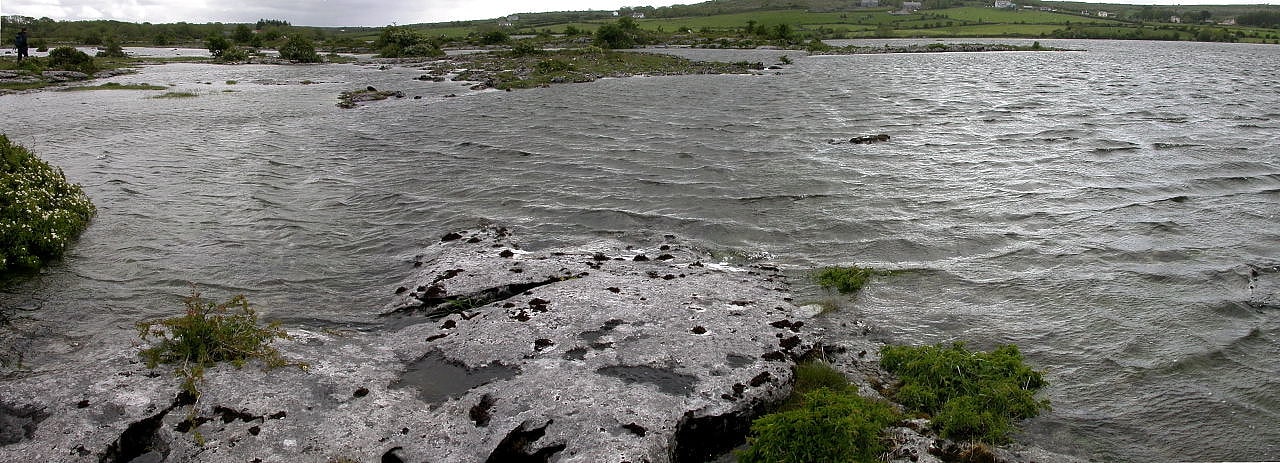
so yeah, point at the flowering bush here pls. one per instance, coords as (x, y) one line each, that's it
(40, 213)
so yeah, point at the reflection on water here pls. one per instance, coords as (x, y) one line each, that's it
(1110, 211)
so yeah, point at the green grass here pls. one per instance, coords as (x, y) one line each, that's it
(970, 395)
(1006, 16)
(176, 95)
(824, 420)
(846, 280)
(117, 86)
(210, 333)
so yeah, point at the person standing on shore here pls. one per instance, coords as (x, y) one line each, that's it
(20, 42)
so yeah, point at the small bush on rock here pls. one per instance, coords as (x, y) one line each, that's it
(299, 49)
(830, 426)
(40, 212)
(70, 59)
(971, 395)
(210, 333)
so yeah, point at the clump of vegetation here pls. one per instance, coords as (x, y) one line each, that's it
(176, 95)
(299, 49)
(223, 50)
(970, 395)
(70, 59)
(112, 50)
(41, 214)
(825, 420)
(402, 42)
(207, 334)
(846, 280)
(117, 86)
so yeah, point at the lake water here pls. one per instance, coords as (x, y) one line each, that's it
(1114, 211)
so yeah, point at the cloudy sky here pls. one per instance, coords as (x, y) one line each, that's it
(341, 12)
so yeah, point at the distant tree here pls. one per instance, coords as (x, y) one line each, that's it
(571, 31)
(613, 36)
(243, 34)
(1267, 19)
(494, 37)
(264, 23)
(299, 48)
(113, 50)
(217, 45)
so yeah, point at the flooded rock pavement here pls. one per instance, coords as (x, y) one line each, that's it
(488, 353)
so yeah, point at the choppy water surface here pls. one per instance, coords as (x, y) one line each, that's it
(1105, 210)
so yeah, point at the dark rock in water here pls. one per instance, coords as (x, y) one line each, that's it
(869, 139)
(371, 89)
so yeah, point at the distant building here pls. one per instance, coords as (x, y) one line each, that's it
(870, 3)
(637, 15)
(1045, 8)
(1229, 22)
(504, 23)
(1103, 14)
(909, 7)
(1004, 4)
(513, 18)
(1175, 20)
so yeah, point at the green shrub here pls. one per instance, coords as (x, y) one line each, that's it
(299, 49)
(217, 45)
(525, 48)
(830, 426)
(846, 280)
(113, 50)
(210, 333)
(70, 59)
(40, 213)
(971, 395)
(233, 54)
(552, 66)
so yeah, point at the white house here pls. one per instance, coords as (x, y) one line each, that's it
(908, 7)
(1103, 14)
(1004, 4)
(1175, 19)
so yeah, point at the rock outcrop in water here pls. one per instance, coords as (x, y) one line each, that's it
(488, 354)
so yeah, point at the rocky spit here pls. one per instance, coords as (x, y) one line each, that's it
(486, 354)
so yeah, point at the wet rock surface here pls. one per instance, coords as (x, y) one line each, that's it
(571, 359)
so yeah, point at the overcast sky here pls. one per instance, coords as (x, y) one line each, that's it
(341, 12)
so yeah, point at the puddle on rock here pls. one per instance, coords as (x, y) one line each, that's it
(667, 381)
(437, 379)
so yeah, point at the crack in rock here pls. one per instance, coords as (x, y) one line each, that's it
(140, 439)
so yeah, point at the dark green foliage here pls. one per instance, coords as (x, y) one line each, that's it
(846, 280)
(40, 213)
(243, 34)
(70, 59)
(210, 333)
(113, 50)
(494, 37)
(300, 49)
(830, 426)
(1267, 19)
(552, 66)
(525, 48)
(971, 395)
(612, 36)
(398, 42)
(217, 45)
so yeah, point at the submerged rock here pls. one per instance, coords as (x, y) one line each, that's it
(572, 359)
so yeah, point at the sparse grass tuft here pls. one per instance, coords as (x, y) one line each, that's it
(117, 86)
(207, 334)
(176, 95)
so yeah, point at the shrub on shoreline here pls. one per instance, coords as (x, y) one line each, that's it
(846, 280)
(824, 420)
(970, 395)
(210, 333)
(40, 212)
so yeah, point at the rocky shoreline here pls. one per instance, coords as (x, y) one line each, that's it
(487, 353)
